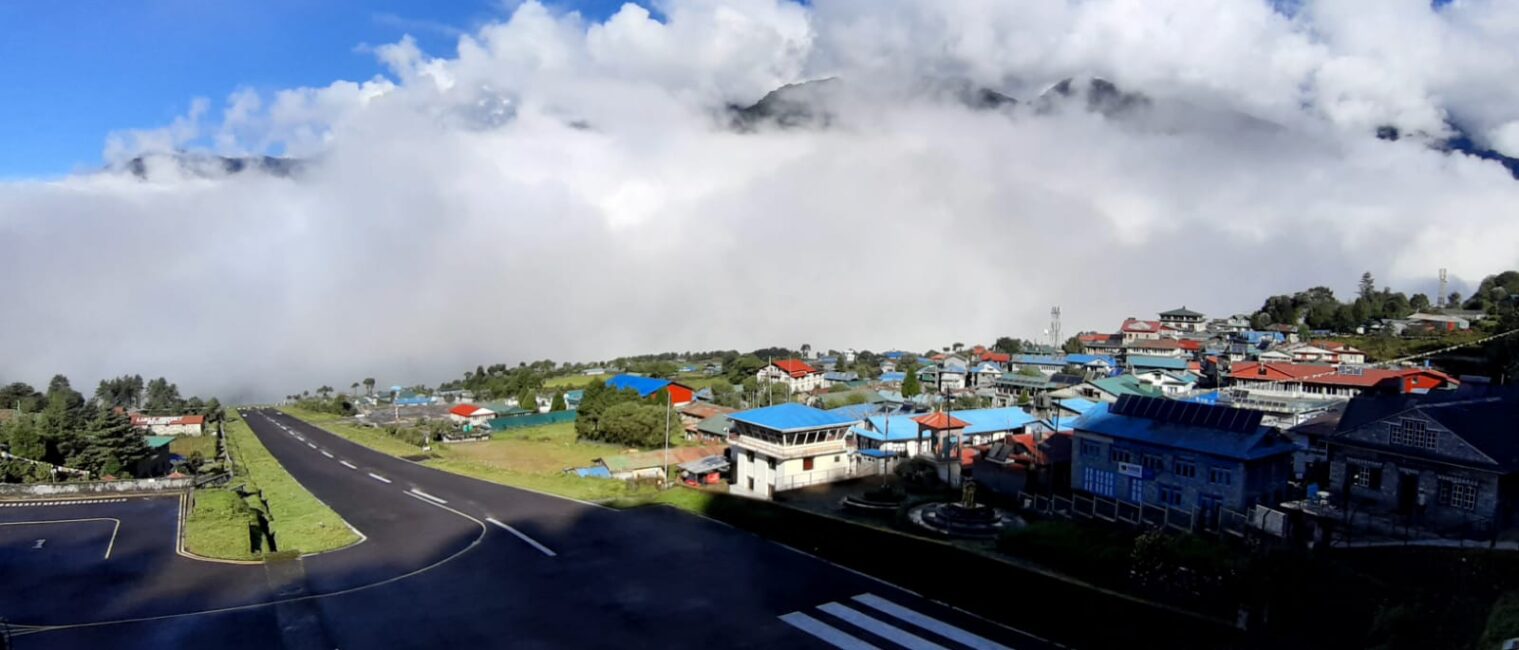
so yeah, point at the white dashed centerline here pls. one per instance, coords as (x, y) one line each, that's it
(311, 445)
(427, 496)
(327, 454)
(347, 464)
(379, 478)
(522, 537)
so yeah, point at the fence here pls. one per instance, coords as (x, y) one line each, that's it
(534, 420)
(1220, 521)
(95, 487)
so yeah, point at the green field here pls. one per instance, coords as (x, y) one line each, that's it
(570, 381)
(298, 521)
(370, 437)
(218, 526)
(187, 445)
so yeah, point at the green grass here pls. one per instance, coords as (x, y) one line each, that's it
(371, 437)
(218, 526)
(187, 445)
(297, 519)
(570, 381)
(1386, 348)
(566, 485)
(698, 382)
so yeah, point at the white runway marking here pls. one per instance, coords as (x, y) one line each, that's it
(883, 630)
(379, 478)
(311, 445)
(116, 528)
(427, 496)
(66, 502)
(347, 464)
(522, 537)
(327, 454)
(825, 632)
(929, 623)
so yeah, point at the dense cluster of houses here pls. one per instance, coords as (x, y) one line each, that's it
(1180, 412)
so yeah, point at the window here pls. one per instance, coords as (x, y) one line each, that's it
(751, 484)
(1156, 463)
(751, 458)
(1365, 474)
(1413, 432)
(807, 464)
(772, 463)
(1169, 496)
(1120, 455)
(1220, 475)
(1458, 493)
(1136, 490)
(1090, 449)
(1098, 482)
(1185, 468)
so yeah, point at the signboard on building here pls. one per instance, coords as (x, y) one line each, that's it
(1131, 469)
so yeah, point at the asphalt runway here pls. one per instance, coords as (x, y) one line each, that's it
(449, 560)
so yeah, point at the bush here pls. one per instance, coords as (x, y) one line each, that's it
(1502, 622)
(919, 475)
(1092, 553)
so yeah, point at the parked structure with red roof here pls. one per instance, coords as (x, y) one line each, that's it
(1296, 379)
(470, 414)
(170, 425)
(795, 373)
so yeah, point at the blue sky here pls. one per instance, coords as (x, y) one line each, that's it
(75, 71)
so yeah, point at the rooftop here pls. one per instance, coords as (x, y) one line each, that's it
(791, 417)
(644, 386)
(1215, 430)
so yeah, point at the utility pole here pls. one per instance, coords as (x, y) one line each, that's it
(668, 401)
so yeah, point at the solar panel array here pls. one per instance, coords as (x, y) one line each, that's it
(1188, 413)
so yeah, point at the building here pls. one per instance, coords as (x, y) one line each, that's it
(680, 394)
(1134, 329)
(159, 460)
(1447, 461)
(787, 446)
(831, 378)
(1140, 363)
(645, 465)
(1183, 320)
(796, 374)
(1168, 382)
(1109, 389)
(1441, 322)
(170, 425)
(1346, 381)
(899, 435)
(1182, 455)
(471, 414)
(693, 414)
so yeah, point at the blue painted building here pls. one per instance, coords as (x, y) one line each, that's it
(1185, 455)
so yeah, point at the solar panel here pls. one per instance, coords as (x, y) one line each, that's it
(1188, 413)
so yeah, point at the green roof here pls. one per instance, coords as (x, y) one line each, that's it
(1125, 385)
(155, 442)
(716, 425)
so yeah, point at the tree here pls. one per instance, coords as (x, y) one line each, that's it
(124, 391)
(113, 446)
(558, 402)
(324, 392)
(355, 388)
(1008, 345)
(1419, 302)
(22, 397)
(911, 387)
(638, 425)
(1454, 300)
(23, 437)
(162, 396)
(527, 400)
(1072, 345)
(369, 385)
(1367, 287)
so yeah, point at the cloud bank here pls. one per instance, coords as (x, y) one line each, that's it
(566, 189)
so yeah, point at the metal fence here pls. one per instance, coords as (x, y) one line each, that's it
(1221, 521)
(532, 420)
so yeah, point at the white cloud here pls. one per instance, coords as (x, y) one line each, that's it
(566, 189)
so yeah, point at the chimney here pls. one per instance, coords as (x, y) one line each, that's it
(1260, 368)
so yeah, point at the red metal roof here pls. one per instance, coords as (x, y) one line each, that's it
(1190, 345)
(940, 421)
(795, 367)
(1328, 376)
(996, 357)
(1136, 325)
(464, 410)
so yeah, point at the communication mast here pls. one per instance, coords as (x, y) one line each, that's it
(1055, 340)
(1440, 299)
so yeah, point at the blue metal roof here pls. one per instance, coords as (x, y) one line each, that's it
(1163, 363)
(856, 411)
(1084, 359)
(877, 453)
(1077, 404)
(790, 417)
(894, 428)
(897, 428)
(1038, 360)
(1262, 442)
(893, 377)
(597, 471)
(644, 386)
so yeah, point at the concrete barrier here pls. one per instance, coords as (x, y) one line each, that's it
(81, 488)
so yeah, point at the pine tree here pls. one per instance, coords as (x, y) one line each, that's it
(558, 403)
(910, 385)
(112, 445)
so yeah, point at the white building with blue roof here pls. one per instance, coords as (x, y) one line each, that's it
(899, 435)
(788, 446)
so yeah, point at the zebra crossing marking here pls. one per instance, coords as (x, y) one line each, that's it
(839, 628)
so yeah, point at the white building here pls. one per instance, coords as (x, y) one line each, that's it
(470, 414)
(787, 446)
(794, 373)
(170, 425)
(1183, 320)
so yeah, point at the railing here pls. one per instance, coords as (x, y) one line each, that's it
(813, 478)
(775, 450)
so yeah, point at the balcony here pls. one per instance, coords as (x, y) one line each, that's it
(776, 450)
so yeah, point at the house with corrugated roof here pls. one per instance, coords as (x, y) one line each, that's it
(797, 375)
(1182, 455)
(680, 394)
(788, 446)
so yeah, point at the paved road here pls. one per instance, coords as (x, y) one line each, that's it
(449, 560)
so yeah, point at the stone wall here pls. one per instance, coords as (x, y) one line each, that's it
(90, 488)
